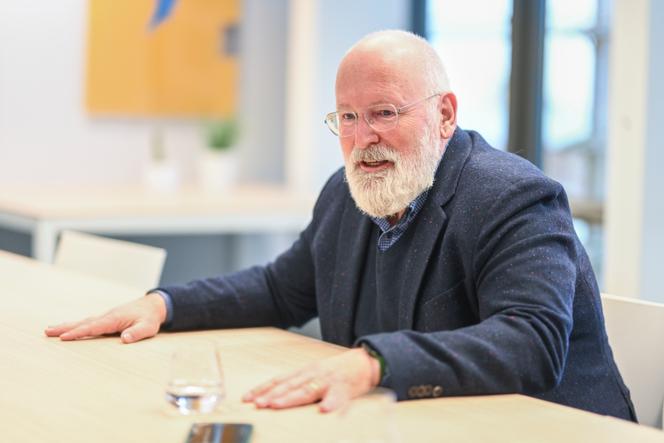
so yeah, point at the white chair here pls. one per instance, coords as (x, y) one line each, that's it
(636, 335)
(309, 329)
(124, 262)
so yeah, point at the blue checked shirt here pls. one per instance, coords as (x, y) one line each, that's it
(390, 234)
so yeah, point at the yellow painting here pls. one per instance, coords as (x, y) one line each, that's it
(185, 67)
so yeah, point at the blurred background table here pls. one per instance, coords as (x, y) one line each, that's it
(135, 210)
(103, 391)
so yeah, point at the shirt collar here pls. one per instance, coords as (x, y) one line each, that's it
(410, 213)
(412, 209)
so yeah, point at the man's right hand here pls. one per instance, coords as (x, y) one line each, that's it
(134, 321)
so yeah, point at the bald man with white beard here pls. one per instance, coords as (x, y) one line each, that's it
(447, 267)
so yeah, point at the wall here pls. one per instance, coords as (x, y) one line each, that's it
(634, 207)
(653, 230)
(46, 136)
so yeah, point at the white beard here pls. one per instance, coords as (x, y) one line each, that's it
(387, 192)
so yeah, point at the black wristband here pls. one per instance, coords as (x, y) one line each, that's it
(374, 354)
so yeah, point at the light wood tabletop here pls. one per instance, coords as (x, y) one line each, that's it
(100, 390)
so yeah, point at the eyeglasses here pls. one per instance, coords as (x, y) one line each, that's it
(380, 118)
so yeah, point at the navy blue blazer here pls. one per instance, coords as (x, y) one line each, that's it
(499, 295)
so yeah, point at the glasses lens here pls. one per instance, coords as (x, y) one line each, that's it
(347, 121)
(332, 122)
(382, 117)
(379, 117)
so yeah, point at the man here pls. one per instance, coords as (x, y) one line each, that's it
(450, 268)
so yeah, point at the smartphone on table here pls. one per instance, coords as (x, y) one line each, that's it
(219, 433)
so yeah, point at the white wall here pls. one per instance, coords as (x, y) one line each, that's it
(262, 88)
(46, 137)
(653, 248)
(635, 208)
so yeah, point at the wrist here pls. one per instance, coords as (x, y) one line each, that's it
(376, 364)
(156, 300)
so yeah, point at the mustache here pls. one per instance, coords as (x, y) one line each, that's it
(374, 153)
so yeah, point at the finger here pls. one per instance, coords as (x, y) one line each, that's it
(139, 331)
(265, 387)
(335, 398)
(306, 394)
(297, 381)
(56, 330)
(93, 328)
(260, 389)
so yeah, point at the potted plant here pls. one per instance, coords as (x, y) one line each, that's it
(161, 173)
(218, 165)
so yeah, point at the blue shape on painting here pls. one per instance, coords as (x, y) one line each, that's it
(163, 9)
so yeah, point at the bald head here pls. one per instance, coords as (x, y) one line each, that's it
(407, 59)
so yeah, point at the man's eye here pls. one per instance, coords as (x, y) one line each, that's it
(347, 116)
(384, 113)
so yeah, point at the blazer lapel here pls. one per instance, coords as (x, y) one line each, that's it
(349, 265)
(430, 223)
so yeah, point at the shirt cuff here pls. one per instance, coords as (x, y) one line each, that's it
(168, 302)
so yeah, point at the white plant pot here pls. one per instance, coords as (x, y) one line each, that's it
(217, 170)
(162, 176)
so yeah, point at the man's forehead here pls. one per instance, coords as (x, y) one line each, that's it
(370, 93)
(372, 88)
(374, 71)
(374, 63)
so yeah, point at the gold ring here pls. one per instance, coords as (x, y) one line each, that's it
(313, 387)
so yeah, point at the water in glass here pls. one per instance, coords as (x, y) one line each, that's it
(196, 383)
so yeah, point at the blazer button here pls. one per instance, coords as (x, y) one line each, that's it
(412, 392)
(426, 391)
(437, 391)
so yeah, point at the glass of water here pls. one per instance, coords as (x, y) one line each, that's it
(196, 383)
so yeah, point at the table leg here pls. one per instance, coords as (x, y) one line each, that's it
(43, 242)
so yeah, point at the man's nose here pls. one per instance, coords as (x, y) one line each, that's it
(365, 135)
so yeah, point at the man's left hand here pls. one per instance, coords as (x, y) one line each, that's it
(334, 381)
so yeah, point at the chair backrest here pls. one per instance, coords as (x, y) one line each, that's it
(310, 329)
(636, 335)
(124, 262)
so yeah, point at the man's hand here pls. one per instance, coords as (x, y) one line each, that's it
(334, 381)
(135, 321)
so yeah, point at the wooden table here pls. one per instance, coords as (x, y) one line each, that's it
(135, 210)
(103, 391)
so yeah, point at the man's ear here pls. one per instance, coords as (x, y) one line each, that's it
(448, 114)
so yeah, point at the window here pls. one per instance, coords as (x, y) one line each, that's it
(574, 110)
(481, 83)
(474, 40)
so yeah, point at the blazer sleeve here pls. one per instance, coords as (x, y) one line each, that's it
(524, 283)
(280, 294)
